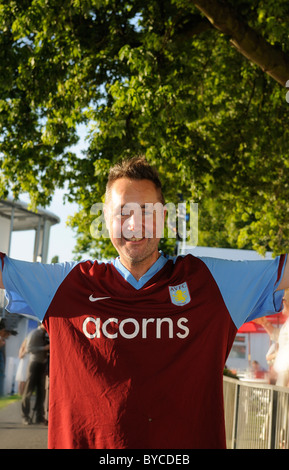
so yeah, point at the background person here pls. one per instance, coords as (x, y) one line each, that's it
(37, 348)
(21, 373)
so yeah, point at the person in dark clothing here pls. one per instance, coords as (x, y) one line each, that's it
(37, 347)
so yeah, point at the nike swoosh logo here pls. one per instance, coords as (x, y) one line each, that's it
(95, 299)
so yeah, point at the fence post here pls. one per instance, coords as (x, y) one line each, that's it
(236, 414)
(273, 419)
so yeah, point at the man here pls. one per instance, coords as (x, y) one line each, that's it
(38, 347)
(138, 345)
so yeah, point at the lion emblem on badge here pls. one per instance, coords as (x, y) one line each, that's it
(180, 294)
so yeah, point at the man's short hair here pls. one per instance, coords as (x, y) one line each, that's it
(136, 168)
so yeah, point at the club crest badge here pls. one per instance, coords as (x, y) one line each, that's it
(180, 294)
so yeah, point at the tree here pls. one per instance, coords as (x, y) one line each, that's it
(159, 78)
(248, 41)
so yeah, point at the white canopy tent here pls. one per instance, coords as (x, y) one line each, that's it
(16, 216)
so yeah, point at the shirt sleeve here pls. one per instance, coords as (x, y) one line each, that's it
(249, 288)
(30, 287)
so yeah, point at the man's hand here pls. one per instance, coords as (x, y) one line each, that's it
(264, 322)
(260, 321)
(284, 283)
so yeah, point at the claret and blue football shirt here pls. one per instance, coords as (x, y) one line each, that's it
(139, 364)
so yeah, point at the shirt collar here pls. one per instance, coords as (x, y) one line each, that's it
(154, 269)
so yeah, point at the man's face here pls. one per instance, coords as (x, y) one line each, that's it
(134, 227)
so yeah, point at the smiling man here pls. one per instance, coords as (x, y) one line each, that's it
(138, 344)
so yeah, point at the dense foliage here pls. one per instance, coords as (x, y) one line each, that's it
(156, 78)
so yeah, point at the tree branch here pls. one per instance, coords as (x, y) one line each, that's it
(247, 41)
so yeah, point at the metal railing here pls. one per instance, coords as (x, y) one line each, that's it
(256, 415)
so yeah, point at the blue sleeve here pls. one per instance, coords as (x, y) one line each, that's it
(249, 288)
(30, 287)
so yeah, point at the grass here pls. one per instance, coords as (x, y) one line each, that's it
(6, 400)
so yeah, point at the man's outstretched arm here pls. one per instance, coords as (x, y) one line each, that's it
(30, 287)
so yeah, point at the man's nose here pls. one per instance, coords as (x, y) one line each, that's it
(134, 222)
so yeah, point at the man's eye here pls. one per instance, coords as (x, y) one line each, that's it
(126, 214)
